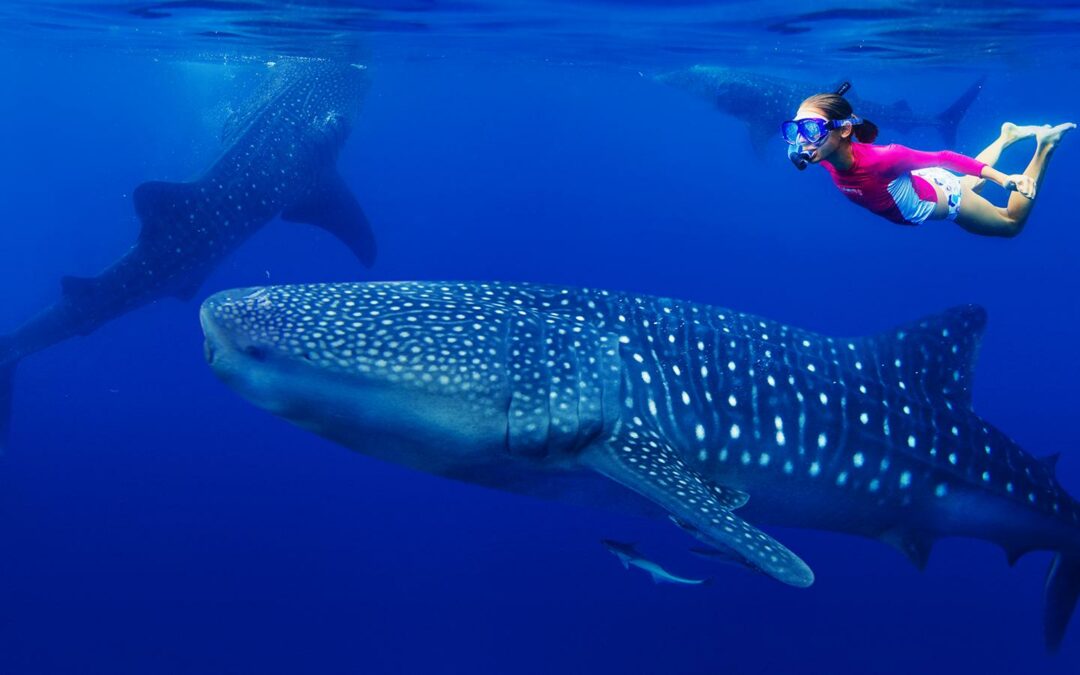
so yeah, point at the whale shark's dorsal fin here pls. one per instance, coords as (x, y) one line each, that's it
(938, 351)
(331, 206)
(162, 207)
(646, 464)
(1051, 462)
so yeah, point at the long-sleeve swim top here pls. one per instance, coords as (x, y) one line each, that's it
(880, 179)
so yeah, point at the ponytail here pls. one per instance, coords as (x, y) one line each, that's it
(865, 132)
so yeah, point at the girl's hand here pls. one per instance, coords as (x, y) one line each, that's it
(1025, 185)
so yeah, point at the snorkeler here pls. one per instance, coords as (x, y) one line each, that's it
(910, 187)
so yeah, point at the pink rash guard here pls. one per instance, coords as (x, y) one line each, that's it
(881, 180)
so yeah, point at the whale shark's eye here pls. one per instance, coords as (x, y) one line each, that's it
(256, 353)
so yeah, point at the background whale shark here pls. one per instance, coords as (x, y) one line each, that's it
(720, 419)
(762, 102)
(281, 148)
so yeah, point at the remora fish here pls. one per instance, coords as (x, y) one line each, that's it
(279, 160)
(761, 102)
(723, 420)
(628, 555)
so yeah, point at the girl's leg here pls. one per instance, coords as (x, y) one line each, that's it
(981, 217)
(1010, 133)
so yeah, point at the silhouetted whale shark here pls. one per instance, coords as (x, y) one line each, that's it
(279, 160)
(721, 419)
(762, 102)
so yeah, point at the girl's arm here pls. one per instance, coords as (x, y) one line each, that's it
(905, 159)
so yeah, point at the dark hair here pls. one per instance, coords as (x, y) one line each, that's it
(836, 107)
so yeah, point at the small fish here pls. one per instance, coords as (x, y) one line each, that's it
(628, 555)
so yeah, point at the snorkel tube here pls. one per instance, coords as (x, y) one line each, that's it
(796, 153)
(799, 157)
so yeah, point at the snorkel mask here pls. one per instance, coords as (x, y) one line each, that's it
(814, 130)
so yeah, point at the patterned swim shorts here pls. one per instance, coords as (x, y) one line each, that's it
(947, 182)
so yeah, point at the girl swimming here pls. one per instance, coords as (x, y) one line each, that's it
(910, 187)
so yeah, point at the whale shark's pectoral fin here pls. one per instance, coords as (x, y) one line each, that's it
(331, 206)
(648, 466)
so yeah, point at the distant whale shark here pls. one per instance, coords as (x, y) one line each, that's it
(722, 420)
(279, 160)
(762, 102)
(629, 556)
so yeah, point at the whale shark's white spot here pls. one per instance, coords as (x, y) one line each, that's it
(745, 459)
(771, 380)
(735, 431)
(905, 479)
(732, 401)
(858, 459)
(811, 367)
(874, 485)
(675, 369)
(986, 476)
(815, 468)
(821, 440)
(731, 366)
(864, 418)
(805, 343)
(645, 377)
(955, 431)
(841, 478)
(858, 366)
(764, 459)
(1009, 487)
(911, 441)
(953, 458)
(704, 371)
(780, 438)
(702, 455)
(941, 490)
(686, 398)
(823, 398)
(699, 431)
(778, 422)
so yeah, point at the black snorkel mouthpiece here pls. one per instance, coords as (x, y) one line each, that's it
(842, 89)
(799, 157)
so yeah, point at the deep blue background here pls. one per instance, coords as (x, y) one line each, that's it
(153, 522)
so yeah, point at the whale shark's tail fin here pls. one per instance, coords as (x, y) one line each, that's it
(949, 119)
(1062, 590)
(7, 377)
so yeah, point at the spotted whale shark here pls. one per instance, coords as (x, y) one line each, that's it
(725, 421)
(281, 148)
(762, 101)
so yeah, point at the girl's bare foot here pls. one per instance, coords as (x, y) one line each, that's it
(1048, 137)
(1012, 133)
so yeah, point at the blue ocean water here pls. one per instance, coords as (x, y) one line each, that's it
(151, 521)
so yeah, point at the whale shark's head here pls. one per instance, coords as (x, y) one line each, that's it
(376, 370)
(436, 376)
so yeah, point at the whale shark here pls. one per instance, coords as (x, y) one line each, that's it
(281, 148)
(724, 421)
(629, 556)
(761, 102)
